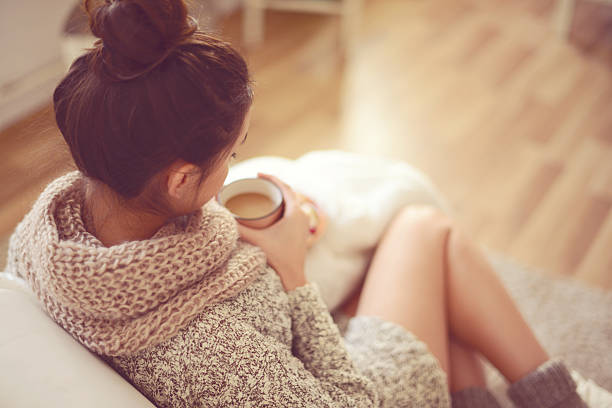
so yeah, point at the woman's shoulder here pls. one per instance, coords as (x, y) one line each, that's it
(197, 362)
(262, 307)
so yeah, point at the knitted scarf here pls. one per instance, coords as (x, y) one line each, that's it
(125, 298)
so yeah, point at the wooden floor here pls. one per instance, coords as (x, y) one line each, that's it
(512, 124)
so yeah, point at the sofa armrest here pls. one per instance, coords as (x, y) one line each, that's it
(42, 365)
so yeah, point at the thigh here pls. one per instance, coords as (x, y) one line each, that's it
(405, 283)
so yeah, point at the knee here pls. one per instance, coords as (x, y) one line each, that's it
(424, 220)
(429, 223)
(461, 249)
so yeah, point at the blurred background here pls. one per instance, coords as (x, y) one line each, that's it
(504, 104)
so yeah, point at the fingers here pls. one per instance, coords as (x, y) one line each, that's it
(248, 234)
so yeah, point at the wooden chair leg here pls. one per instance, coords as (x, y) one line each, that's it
(351, 17)
(563, 17)
(253, 22)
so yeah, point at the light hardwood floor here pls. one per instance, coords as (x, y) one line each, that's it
(509, 122)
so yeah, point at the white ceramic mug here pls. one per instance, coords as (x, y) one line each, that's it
(257, 186)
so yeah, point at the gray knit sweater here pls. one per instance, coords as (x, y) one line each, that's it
(248, 343)
(268, 348)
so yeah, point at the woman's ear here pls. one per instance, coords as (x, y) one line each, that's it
(180, 179)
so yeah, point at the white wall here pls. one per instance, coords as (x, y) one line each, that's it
(30, 50)
(31, 45)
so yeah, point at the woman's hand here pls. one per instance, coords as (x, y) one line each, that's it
(285, 241)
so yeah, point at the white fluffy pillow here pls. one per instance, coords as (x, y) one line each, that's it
(360, 195)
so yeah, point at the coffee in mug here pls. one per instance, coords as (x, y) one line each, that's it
(254, 202)
(250, 205)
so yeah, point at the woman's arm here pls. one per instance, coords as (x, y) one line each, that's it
(318, 371)
(316, 339)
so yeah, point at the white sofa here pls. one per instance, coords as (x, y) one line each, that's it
(43, 366)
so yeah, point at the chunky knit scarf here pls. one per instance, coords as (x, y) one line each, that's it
(125, 298)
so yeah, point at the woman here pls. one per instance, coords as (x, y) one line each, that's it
(131, 256)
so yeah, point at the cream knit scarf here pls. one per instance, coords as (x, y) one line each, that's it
(128, 297)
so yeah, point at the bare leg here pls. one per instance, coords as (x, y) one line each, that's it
(465, 369)
(482, 314)
(406, 284)
(429, 278)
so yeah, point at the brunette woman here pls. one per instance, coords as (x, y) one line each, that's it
(131, 255)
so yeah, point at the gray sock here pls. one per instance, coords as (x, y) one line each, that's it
(473, 397)
(550, 385)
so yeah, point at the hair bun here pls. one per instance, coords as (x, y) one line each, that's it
(137, 33)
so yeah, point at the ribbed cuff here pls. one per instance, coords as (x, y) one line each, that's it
(550, 385)
(474, 397)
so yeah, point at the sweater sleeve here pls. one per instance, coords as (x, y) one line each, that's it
(318, 345)
(316, 339)
(230, 364)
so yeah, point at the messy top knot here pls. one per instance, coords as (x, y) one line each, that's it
(136, 35)
(153, 90)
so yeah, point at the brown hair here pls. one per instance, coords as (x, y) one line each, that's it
(153, 89)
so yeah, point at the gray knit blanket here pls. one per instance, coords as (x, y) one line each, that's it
(573, 321)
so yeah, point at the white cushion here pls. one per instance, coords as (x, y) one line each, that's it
(43, 366)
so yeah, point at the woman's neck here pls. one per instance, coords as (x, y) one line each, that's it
(113, 223)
